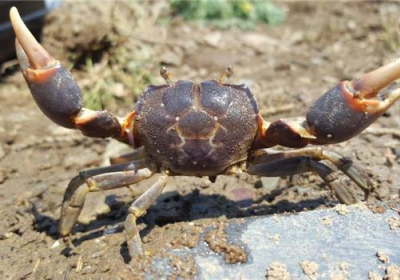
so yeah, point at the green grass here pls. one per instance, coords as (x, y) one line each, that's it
(242, 13)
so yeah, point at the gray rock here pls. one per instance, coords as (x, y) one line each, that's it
(171, 58)
(268, 183)
(337, 246)
(213, 39)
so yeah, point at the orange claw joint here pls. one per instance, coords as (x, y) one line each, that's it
(351, 106)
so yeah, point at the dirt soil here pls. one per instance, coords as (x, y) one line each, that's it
(287, 67)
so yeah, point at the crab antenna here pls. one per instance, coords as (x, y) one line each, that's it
(167, 76)
(226, 74)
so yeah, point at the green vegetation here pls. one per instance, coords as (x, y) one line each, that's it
(111, 66)
(242, 13)
(117, 80)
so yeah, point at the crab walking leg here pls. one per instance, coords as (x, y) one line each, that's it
(138, 209)
(344, 164)
(138, 154)
(57, 94)
(330, 177)
(77, 190)
(79, 180)
(298, 165)
(126, 166)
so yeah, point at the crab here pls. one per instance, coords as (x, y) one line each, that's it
(203, 129)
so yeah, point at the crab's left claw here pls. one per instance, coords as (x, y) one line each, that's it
(351, 106)
(339, 114)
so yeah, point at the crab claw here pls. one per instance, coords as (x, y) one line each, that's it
(51, 85)
(57, 94)
(351, 106)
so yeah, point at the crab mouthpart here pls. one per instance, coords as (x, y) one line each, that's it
(29, 52)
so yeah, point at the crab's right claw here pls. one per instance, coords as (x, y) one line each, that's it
(57, 94)
(51, 85)
(351, 106)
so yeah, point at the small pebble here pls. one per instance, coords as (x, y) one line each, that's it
(394, 223)
(213, 39)
(55, 244)
(382, 257)
(171, 58)
(2, 153)
(3, 176)
(374, 276)
(392, 272)
(342, 209)
(268, 183)
(243, 197)
(396, 151)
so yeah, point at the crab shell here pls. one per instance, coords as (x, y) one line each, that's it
(197, 129)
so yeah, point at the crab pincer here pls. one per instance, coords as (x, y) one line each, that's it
(55, 91)
(351, 106)
(46, 77)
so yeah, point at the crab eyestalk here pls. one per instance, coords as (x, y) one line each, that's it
(351, 106)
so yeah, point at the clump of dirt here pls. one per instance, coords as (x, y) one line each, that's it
(327, 221)
(341, 272)
(377, 209)
(342, 209)
(309, 268)
(394, 223)
(374, 276)
(188, 238)
(277, 271)
(217, 240)
(276, 238)
(392, 273)
(178, 267)
(183, 268)
(382, 257)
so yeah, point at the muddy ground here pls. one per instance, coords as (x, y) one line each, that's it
(287, 67)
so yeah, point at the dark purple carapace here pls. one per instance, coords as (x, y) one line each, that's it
(197, 129)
